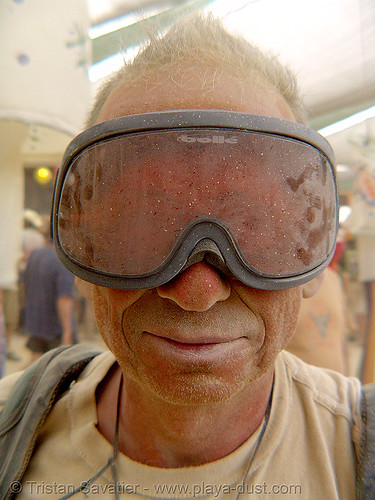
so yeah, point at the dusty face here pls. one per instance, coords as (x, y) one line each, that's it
(199, 338)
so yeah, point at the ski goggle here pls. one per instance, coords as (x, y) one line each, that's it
(139, 198)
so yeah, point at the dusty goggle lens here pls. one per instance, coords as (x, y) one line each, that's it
(136, 195)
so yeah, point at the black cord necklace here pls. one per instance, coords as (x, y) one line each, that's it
(241, 486)
(111, 463)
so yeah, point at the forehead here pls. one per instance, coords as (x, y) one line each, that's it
(195, 89)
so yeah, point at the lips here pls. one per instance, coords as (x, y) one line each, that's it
(191, 345)
(189, 352)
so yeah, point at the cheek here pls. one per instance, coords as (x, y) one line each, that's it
(281, 320)
(287, 319)
(109, 307)
(279, 312)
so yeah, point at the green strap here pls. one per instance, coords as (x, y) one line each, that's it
(29, 403)
(366, 461)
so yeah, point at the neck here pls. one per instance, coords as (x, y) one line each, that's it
(158, 433)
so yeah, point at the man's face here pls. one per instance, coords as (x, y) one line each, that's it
(199, 338)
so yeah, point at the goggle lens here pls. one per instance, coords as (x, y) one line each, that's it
(126, 201)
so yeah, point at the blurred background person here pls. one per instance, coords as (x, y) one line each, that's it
(49, 304)
(13, 295)
(324, 322)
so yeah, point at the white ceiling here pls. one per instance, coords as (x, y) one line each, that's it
(329, 43)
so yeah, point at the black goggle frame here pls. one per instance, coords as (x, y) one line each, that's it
(205, 229)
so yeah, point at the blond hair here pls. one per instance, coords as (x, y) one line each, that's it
(203, 41)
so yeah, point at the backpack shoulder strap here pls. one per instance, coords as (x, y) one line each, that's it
(366, 465)
(29, 403)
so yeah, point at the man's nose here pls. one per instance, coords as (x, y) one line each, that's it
(197, 288)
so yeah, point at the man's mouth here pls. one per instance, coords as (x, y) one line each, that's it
(191, 345)
(192, 351)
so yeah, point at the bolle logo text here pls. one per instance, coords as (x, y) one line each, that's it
(215, 139)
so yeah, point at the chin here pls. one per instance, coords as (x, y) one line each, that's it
(196, 388)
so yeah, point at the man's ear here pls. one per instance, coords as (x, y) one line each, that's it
(311, 287)
(85, 288)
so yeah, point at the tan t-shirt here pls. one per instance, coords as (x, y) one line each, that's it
(307, 451)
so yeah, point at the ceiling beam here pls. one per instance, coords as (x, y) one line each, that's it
(137, 33)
